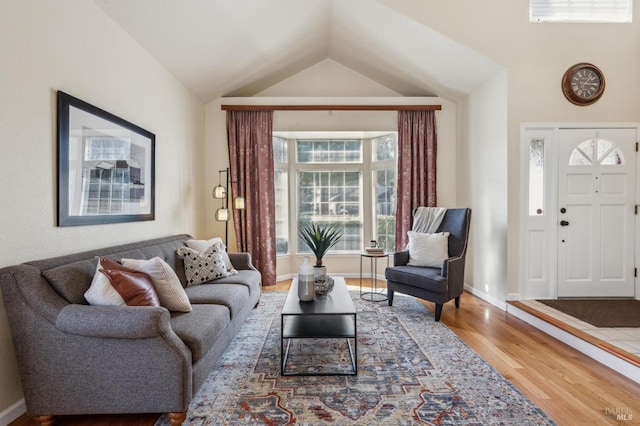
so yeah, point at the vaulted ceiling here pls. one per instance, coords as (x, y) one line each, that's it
(242, 47)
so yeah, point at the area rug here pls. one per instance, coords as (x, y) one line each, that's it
(600, 313)
(411, 370)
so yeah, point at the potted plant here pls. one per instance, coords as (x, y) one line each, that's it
(320, 239)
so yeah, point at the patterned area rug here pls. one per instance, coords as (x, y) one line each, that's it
(411, 370)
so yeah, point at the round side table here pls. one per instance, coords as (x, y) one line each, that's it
(375, 295)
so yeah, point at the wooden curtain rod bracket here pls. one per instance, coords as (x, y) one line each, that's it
(331, 107)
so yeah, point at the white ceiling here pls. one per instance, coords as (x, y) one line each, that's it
(242, 47)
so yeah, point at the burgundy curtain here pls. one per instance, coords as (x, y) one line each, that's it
(416, 184)
(249, 134)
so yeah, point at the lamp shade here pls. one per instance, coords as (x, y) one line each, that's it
(222, 215)
(219, 192)
(238, 203)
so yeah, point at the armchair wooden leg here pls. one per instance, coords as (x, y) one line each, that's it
(457, 299)
(45, 420)
(438, 311)
(176, 419)
(390, 297)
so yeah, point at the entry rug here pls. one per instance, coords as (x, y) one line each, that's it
(411, 371)
(599, 312)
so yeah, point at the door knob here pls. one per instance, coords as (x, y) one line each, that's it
(564, 223)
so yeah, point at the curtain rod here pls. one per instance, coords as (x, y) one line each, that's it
(331, 107)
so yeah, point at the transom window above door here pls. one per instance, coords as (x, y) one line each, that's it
(612, 11)
(596, 151)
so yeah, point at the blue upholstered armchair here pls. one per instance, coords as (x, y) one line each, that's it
(438, 285)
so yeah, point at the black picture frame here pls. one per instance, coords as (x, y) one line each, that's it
(106, 166)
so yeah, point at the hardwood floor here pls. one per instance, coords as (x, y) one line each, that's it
(566, 384)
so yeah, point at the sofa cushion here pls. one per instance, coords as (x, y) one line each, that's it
(71, 281)
(165, 282)
(248, 277)
(200, 328)
(233, 296)
(418, 276)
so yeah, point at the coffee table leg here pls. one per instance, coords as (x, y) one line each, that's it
(286, 355)
(283, 354)
(354, 360)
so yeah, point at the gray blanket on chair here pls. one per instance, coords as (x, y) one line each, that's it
(426, 220)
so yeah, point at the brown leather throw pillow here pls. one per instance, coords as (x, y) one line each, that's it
(109, 264)
(136, 288)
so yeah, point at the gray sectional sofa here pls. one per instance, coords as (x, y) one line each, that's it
(75, 358)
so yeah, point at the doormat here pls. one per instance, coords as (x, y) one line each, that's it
(600, 313)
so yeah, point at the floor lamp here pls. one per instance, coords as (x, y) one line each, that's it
(221, 192)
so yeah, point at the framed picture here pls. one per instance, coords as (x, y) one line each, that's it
(106, 166)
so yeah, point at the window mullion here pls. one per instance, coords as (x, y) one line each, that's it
(368, 206)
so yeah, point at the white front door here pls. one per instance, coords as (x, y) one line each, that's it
(596, 201)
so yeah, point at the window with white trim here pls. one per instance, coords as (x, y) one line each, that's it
(596, 11)
(349, 182)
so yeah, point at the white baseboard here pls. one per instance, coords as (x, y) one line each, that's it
(13, 412)
(615, 363)
(486, 297)
(514, 296)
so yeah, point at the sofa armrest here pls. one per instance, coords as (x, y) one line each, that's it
(117, 322)
(400, 258)
(241, 261)
(102, 359)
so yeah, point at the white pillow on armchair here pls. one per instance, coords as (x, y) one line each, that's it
(428, 249)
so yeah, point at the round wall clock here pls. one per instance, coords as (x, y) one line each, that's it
(583, 84)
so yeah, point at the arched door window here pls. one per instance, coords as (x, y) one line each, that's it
(596, 152)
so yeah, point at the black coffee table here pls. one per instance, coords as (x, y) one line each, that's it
(328, 317)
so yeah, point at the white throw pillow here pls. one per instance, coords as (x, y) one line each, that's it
(165, 281)
(101, 292)
(203, 245)
(428, 249)
(203, 267)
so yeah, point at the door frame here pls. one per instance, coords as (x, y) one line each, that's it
(538, 251)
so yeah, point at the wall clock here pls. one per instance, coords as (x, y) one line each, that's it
(583, 84)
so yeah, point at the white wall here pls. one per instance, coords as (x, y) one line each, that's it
(328, 77)
(71, 45)
(482, 184)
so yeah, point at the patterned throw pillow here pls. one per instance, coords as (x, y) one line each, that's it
(203, 245)
(202, 267)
